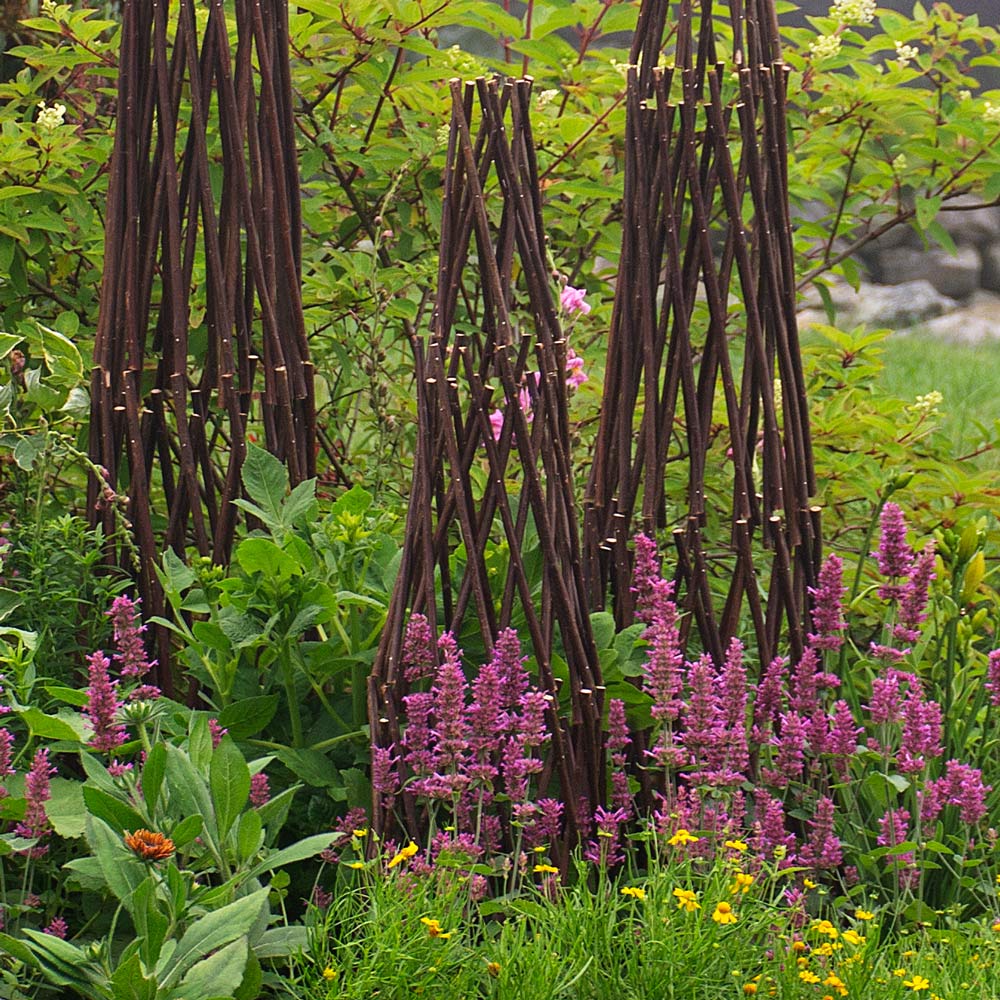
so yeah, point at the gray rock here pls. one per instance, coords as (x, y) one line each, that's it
(970, 226)
(990, 278)
(892, 306)
(976, 322)
(955, 276)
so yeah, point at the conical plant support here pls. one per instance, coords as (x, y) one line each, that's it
(201, 333)
(703, 371)
(481, 486)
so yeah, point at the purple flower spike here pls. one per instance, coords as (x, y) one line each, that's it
(35, 825)
(992, 678)
(128, 630)
(418, 660)
(103, 706)
(828, 606)
(913, 602)
(895, 557)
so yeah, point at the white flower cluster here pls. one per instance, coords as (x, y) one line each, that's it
(50, 119)
(825, 47)
(991, 113)
(905, 54)
(927, 404)
(853, 11)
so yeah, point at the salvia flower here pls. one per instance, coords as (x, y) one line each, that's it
(913, 603)
(216, 732)
(131, 655)
(57, 928)
(102, 705)
(823, 849)
(992, 678)
(260, 790)
(417, 658)
(895, 557)
(37, 791)
(451, 731)
(828, 606)
(6, 758)
(645, 575)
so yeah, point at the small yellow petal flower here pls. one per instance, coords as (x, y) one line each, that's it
(995, 927)
(493, 968)
(741, 883)
(724, 914)
(808, 977)
(405, 853)
(682, 837)
(750, 989)
(329, 973)
(835, 982)
(355, 864)
(687, 900)
(434, 928)
(863, 915)
(634, 891)
(809, 883)
(546, 870)
(359, 833)
(739, 845)
(917, 983)
(853, 937)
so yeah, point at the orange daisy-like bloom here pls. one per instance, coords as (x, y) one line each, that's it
(148, 845)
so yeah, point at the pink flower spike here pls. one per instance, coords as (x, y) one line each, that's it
(573, 300)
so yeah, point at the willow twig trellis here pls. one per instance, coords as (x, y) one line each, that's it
(706, 217)
(495, 342)
(203, 195)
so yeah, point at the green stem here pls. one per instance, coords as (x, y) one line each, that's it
(294, 712)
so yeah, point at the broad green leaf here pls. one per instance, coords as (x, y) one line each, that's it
(119, 815)
(52, 727)
(280, 942)
(306, 848)
(121, 870)
(8, 341)
(354, 502)
(266, 482)
(247, 717)
(248, 835)
(150, 924)
(261, 555)
(189, 793)
(186, 831)
(211, 932)
(129, 983)
(65, 807)
(229, 779)
(217, 976)
(153, 772)
(602, 625)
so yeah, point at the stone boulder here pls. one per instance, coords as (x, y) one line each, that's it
(955, 275)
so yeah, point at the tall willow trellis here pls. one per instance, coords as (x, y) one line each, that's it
(706, 218)
(705, 225)
(203, 207)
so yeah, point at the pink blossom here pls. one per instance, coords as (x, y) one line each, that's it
(575, 375)
(35, 825)
(496, 422)
(828, 606)
(102, 705)
(573, 299)
(260, 789)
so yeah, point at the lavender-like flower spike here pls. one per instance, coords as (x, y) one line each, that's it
(618, 742)
(823, 849)
(964, 788)
(895, 557)
(131, 655)
(452, 729)
(6, 758)
(37, 792)
(992, 678)
(260, 790)
(645, 576)
(103, 706)
(418, 660)
(662, 670)
(913, 603)
(828, 606)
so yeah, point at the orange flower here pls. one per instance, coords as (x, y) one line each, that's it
(148, 845)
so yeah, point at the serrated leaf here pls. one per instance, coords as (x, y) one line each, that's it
(266, 482)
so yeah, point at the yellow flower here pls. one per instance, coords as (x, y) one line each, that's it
(739, 845)
(682, 837)
(808, 977)
(917, 983)
(404, 854)
(724, 914)
(359, 833)
(799, 947)
(835, 982)
(546, 870)
(355, 864)
(741, 883)
(493, 968)
(863, 915)
(899, 973)
(825, 927)
(687, 900)
(995, 927)
(853, 937)
(809, 883)
(329, 973)
(750, 989)
(633, 890)
(434, 928)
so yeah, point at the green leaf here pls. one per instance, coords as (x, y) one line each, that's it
(248, 835)
(153, 772)
(117, 814)
(51, 727)
(189, 792)
(266, 482)
(602, 625)
(65, 807)
(927, 210)
(247, 717)
(299, 502)
(274, 813)
(122, 872)
(8, 341)
(229, 779)
(280, 942)
(306, 848)
(186, 831)
(151, 925)
(354, 502)
(262, 555)
(212, 932)
(27, 450)
(129, 983)
(17, 949)
(217, 976)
